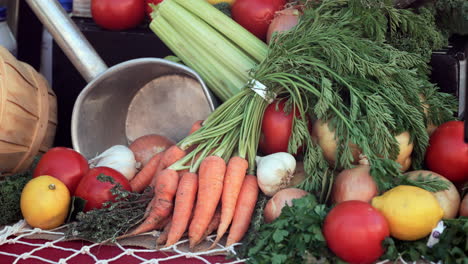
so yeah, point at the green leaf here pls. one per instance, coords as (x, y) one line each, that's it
(279, 235)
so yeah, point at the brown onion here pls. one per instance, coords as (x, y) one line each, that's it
(299, 174)
(464, 206)
(449, 199)
(284, 20)
(145, 147)
(354, 184)
(279, 200)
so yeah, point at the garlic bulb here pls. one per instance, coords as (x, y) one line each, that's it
(119, 158)
(275, 171)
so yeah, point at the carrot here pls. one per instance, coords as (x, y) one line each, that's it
(169, 156)
(244, 210)
(214, 223)
(197, 125)
(162, 203)
(235, 174)
(144, 177)
(183, 207)
(210, 182)
(162, 238)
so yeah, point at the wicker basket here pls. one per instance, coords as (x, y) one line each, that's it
(28, 114)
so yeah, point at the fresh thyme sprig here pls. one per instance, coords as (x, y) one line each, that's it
(114, 219)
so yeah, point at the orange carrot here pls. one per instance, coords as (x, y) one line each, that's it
(210, 183)
(162, 203)
(183, 206)
(244, 209)
(214, 223)
(144, 177)
(197, 125)
(169, 156)
(235, 174)
(162, 238)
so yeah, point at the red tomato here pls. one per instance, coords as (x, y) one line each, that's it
(118, 14)
(149, 9)
(447, 153)
(256, 15)
(276, 129)
(96, 192)
(354, 231)
(65, 164)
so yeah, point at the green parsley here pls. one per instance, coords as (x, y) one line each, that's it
(451, 248)
(294, 237)
(10, 194)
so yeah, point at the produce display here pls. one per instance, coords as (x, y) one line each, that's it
(330, 144)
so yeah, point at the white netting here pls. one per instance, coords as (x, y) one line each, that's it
(15, 234)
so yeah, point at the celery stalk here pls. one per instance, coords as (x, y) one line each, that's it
(212, 71)
(185, 23)
(228, 27)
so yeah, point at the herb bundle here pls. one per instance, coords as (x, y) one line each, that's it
(294, 237)
(114, 219)
(337, 67)
(451, 248)
(10, 193)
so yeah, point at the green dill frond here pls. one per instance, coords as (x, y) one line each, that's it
(338, 64)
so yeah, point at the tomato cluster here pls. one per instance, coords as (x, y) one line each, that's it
(71, 168)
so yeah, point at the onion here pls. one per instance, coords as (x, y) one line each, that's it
(464, 206)
(279, 200)
(326, 139)
(145, 147)
(284, 20)
(449, 199)
(119, 158)
(275, 171)
(299, 174)
(354, 184)
(406, 148)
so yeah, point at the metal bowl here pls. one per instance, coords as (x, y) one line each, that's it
(136, 98)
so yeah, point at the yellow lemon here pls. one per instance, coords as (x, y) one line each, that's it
(45, 202)
(230, 2)
(411, 212)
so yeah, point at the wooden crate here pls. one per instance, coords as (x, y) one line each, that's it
(28, 114)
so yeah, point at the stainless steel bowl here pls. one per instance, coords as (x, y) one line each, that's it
(149, 96)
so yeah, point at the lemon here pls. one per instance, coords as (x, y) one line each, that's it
(45, 202)
(230, 2)
(411, 212)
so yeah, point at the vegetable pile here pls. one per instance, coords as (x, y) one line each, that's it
(329, 145)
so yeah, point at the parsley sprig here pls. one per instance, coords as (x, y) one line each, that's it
(294, 237)
(451, 248)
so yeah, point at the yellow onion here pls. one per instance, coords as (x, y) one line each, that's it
(279, 200)
(284, 20)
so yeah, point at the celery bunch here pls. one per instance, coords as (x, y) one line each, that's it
(221, 51)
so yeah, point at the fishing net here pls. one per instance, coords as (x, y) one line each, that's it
(51, 246)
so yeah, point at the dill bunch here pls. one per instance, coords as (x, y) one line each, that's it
(337, 66)
(414, 31)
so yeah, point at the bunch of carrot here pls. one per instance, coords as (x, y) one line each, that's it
(198, 188)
